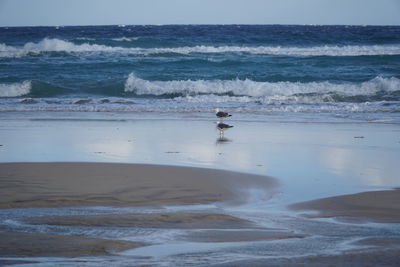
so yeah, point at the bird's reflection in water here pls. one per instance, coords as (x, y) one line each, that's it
(222, 127)
(222, 140)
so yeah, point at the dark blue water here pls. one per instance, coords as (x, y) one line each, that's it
(265, 68)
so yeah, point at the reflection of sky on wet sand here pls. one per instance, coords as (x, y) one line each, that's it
(361, 165)
(311, 159)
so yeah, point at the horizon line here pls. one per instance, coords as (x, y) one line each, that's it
(201, 24)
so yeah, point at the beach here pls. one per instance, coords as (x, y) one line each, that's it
(102, 195)
(111, 153)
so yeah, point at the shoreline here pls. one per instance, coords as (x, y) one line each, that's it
(375, 206)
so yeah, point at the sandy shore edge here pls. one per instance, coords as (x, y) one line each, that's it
(112, 184)
(376, 206)
(15, 244)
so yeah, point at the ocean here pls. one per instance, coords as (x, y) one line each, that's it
(333, 71)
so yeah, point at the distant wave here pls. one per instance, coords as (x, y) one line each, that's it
(57, 45)
(15, 89)
(125, 39)
(52, 45)
(85, 38)
(267, 91)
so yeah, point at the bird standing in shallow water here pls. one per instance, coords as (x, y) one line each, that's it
(221, 115)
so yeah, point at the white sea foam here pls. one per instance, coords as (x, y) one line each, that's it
(266, 90)
(356, 50)
(53, 45)
(15, 89)
(169, 105)
(57, 45)
(125, 39)
(85, 38)
(9, 51)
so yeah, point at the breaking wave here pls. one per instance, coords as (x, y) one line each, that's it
(57, 45)
(201, 91)
(15, 89)
(269, 91)
(52, 45)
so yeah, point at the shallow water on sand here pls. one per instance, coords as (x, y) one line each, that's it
(168, 247)
(330, 158)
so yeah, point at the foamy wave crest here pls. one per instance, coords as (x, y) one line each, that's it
(268, 90)
(9, 51)
(53, 45)
(15, 89)
(57, 45)
(125, 39)
(356, 50)
(85, 38)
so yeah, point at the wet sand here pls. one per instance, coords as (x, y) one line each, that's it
(152, 220)
(377, 206)
(232, 229)
(103, 184)
(387, 258)
(14, 244)
(239, 236)
(380, 242)
(380, 252)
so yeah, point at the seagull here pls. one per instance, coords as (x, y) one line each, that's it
(221, 115)
(223, 127)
